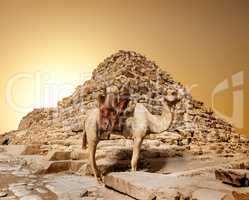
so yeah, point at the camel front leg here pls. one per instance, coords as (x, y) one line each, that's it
(136, 151)
(92, 161)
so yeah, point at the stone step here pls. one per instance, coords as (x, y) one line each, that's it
(15, 150)
(33, 150)
(59, 166)
(139, 185)
(58, 155)
(66, 155)
(150, 186)
(68, 187)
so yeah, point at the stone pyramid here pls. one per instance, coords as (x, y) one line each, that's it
(147, 83)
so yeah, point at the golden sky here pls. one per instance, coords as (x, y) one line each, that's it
(47, 47)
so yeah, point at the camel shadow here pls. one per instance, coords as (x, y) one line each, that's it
(151, 160)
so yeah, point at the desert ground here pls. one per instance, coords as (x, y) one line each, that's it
(165, 172)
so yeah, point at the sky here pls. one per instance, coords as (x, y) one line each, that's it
(48, 47)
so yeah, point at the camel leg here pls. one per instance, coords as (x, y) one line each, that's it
(136, 151)
(92, 161)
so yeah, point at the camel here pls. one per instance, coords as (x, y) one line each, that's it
(141, 123)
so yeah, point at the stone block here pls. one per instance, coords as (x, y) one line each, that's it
(238, 177)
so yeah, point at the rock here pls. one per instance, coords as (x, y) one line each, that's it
(31, 150)
(69, 186)
(206, 194)
(41, 190)
(59, 166)
(89, 198)
(21, 173)
(76, 155)
(36, 116)
(3, 194)
(9, 198)
(1, 150)
(57, 155)
(143, 185)
(137, 187)
(20, 191)
(83, 193)
(238, 177)
(194, 185)
(31, 197)
(5, 141)
(240, 195)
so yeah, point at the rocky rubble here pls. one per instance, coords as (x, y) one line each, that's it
(186, 177)
(146, 83)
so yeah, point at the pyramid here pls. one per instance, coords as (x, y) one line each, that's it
(147, 83)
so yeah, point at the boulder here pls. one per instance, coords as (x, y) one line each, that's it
(238, 177)
(140, 187)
